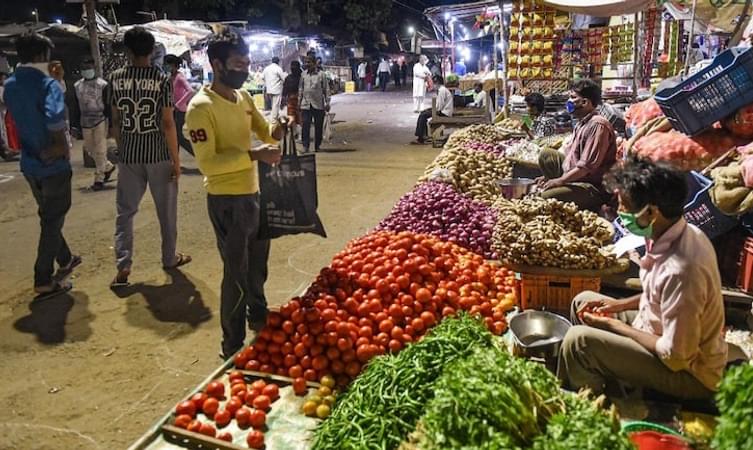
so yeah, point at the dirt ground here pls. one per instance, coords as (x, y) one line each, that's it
(95, 370)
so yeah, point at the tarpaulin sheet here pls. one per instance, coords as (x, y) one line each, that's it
(601, 8)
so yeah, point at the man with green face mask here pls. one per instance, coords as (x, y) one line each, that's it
(93, 115)
(669, 338)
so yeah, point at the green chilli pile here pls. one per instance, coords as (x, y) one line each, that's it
(735, 402)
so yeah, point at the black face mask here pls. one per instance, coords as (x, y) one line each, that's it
(233, 78)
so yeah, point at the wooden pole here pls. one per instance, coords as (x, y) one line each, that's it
(690, 39)
(636, 56)
(496, 76)
(91, 25)
(504, 56)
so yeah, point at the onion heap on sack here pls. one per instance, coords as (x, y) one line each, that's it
(547, 232)
(437, 209)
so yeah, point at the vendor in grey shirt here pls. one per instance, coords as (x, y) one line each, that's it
(314, 102)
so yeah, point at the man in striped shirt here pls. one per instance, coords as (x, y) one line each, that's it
(144, 127)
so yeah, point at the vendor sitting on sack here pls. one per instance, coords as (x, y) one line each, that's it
(577, 175)
(669, 338)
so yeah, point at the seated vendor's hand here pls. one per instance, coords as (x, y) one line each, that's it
(540, 181)
(553, 183)
(599, 321)
(601, 306)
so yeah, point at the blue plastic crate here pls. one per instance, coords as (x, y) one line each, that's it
(712, 94)
(699, 210)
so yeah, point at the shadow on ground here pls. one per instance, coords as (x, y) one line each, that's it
(178, 301)
(64, 318)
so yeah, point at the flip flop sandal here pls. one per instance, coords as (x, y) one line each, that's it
(120, 280)
(182, 261)
(64, 272)
(59, 289)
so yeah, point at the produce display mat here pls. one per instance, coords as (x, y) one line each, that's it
(286, 429)
(621, 266)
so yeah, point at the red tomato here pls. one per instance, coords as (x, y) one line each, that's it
(258, 419)
(319, 362)
(299, 386)
(237, 388)
(295, 371)
(222, 418)
(382, 339)
(363, 353)
(337, 367)
(207, 429)
(262, 402)
(182, 421)
(428, 318)
(199, 399)
(386, 326)
(258, 385)
(187, 408)
(272, 391)
(216, 389)
(233, 405)
(309, 375)
(211, 406)
(274, 319)
(344, 344)
(225, 436)
(447, 311)
(348, 355)
(255, 439)
(194, 426)
(353, 369)
(289, 361)
(418, 325)
(395, 345)
(243, 417)
(343, 330)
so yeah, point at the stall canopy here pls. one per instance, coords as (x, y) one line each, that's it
(601, 8)
(460, 20)
(178, 36)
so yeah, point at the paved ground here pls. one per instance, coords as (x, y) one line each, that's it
(94, 370)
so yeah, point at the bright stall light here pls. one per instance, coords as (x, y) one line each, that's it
(411, 30)
(254, 47)
(327, 52)
(313, 44)
(446, 16)
(466, 52)
(267, 50)
(486, 58)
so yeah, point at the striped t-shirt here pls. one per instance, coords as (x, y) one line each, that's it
(139, 94)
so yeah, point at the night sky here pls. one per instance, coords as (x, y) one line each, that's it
(51, 10)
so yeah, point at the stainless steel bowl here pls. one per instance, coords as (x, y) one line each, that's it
(538, 334)
(515, 188)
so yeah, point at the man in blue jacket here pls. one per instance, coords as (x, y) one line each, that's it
(36, 102)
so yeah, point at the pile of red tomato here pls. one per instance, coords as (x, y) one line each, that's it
(247, 405)
(381, 293)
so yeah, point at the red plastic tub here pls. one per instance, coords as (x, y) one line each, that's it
(653, 440)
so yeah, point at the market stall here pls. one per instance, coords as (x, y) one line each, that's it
(418, 317)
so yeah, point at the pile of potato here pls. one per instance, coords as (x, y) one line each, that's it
(488, 134)
(470, 172)
(546, 232)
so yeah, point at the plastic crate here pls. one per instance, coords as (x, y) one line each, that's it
(699, 210)
(553, 293)
(711, 94)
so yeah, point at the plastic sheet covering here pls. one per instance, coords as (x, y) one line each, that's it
(600, 8)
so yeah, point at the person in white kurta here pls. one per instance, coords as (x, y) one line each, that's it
(421, 74)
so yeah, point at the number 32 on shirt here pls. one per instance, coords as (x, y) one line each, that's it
(138, 117)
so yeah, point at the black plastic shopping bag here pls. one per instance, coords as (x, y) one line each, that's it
(289, 197)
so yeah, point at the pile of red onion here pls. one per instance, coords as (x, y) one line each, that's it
(437, 209)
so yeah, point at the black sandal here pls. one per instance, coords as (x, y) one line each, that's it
(121, 279)
(58, 289)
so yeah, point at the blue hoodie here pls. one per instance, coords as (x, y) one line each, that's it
(35, 100)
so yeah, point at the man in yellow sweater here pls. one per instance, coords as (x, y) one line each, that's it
(220, 122)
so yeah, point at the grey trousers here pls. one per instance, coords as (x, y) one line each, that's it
(589, 357)
(235, 219)
(53, 196)
(132, 182)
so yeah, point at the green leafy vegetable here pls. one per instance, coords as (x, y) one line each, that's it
(583, 425)
(735, 402)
